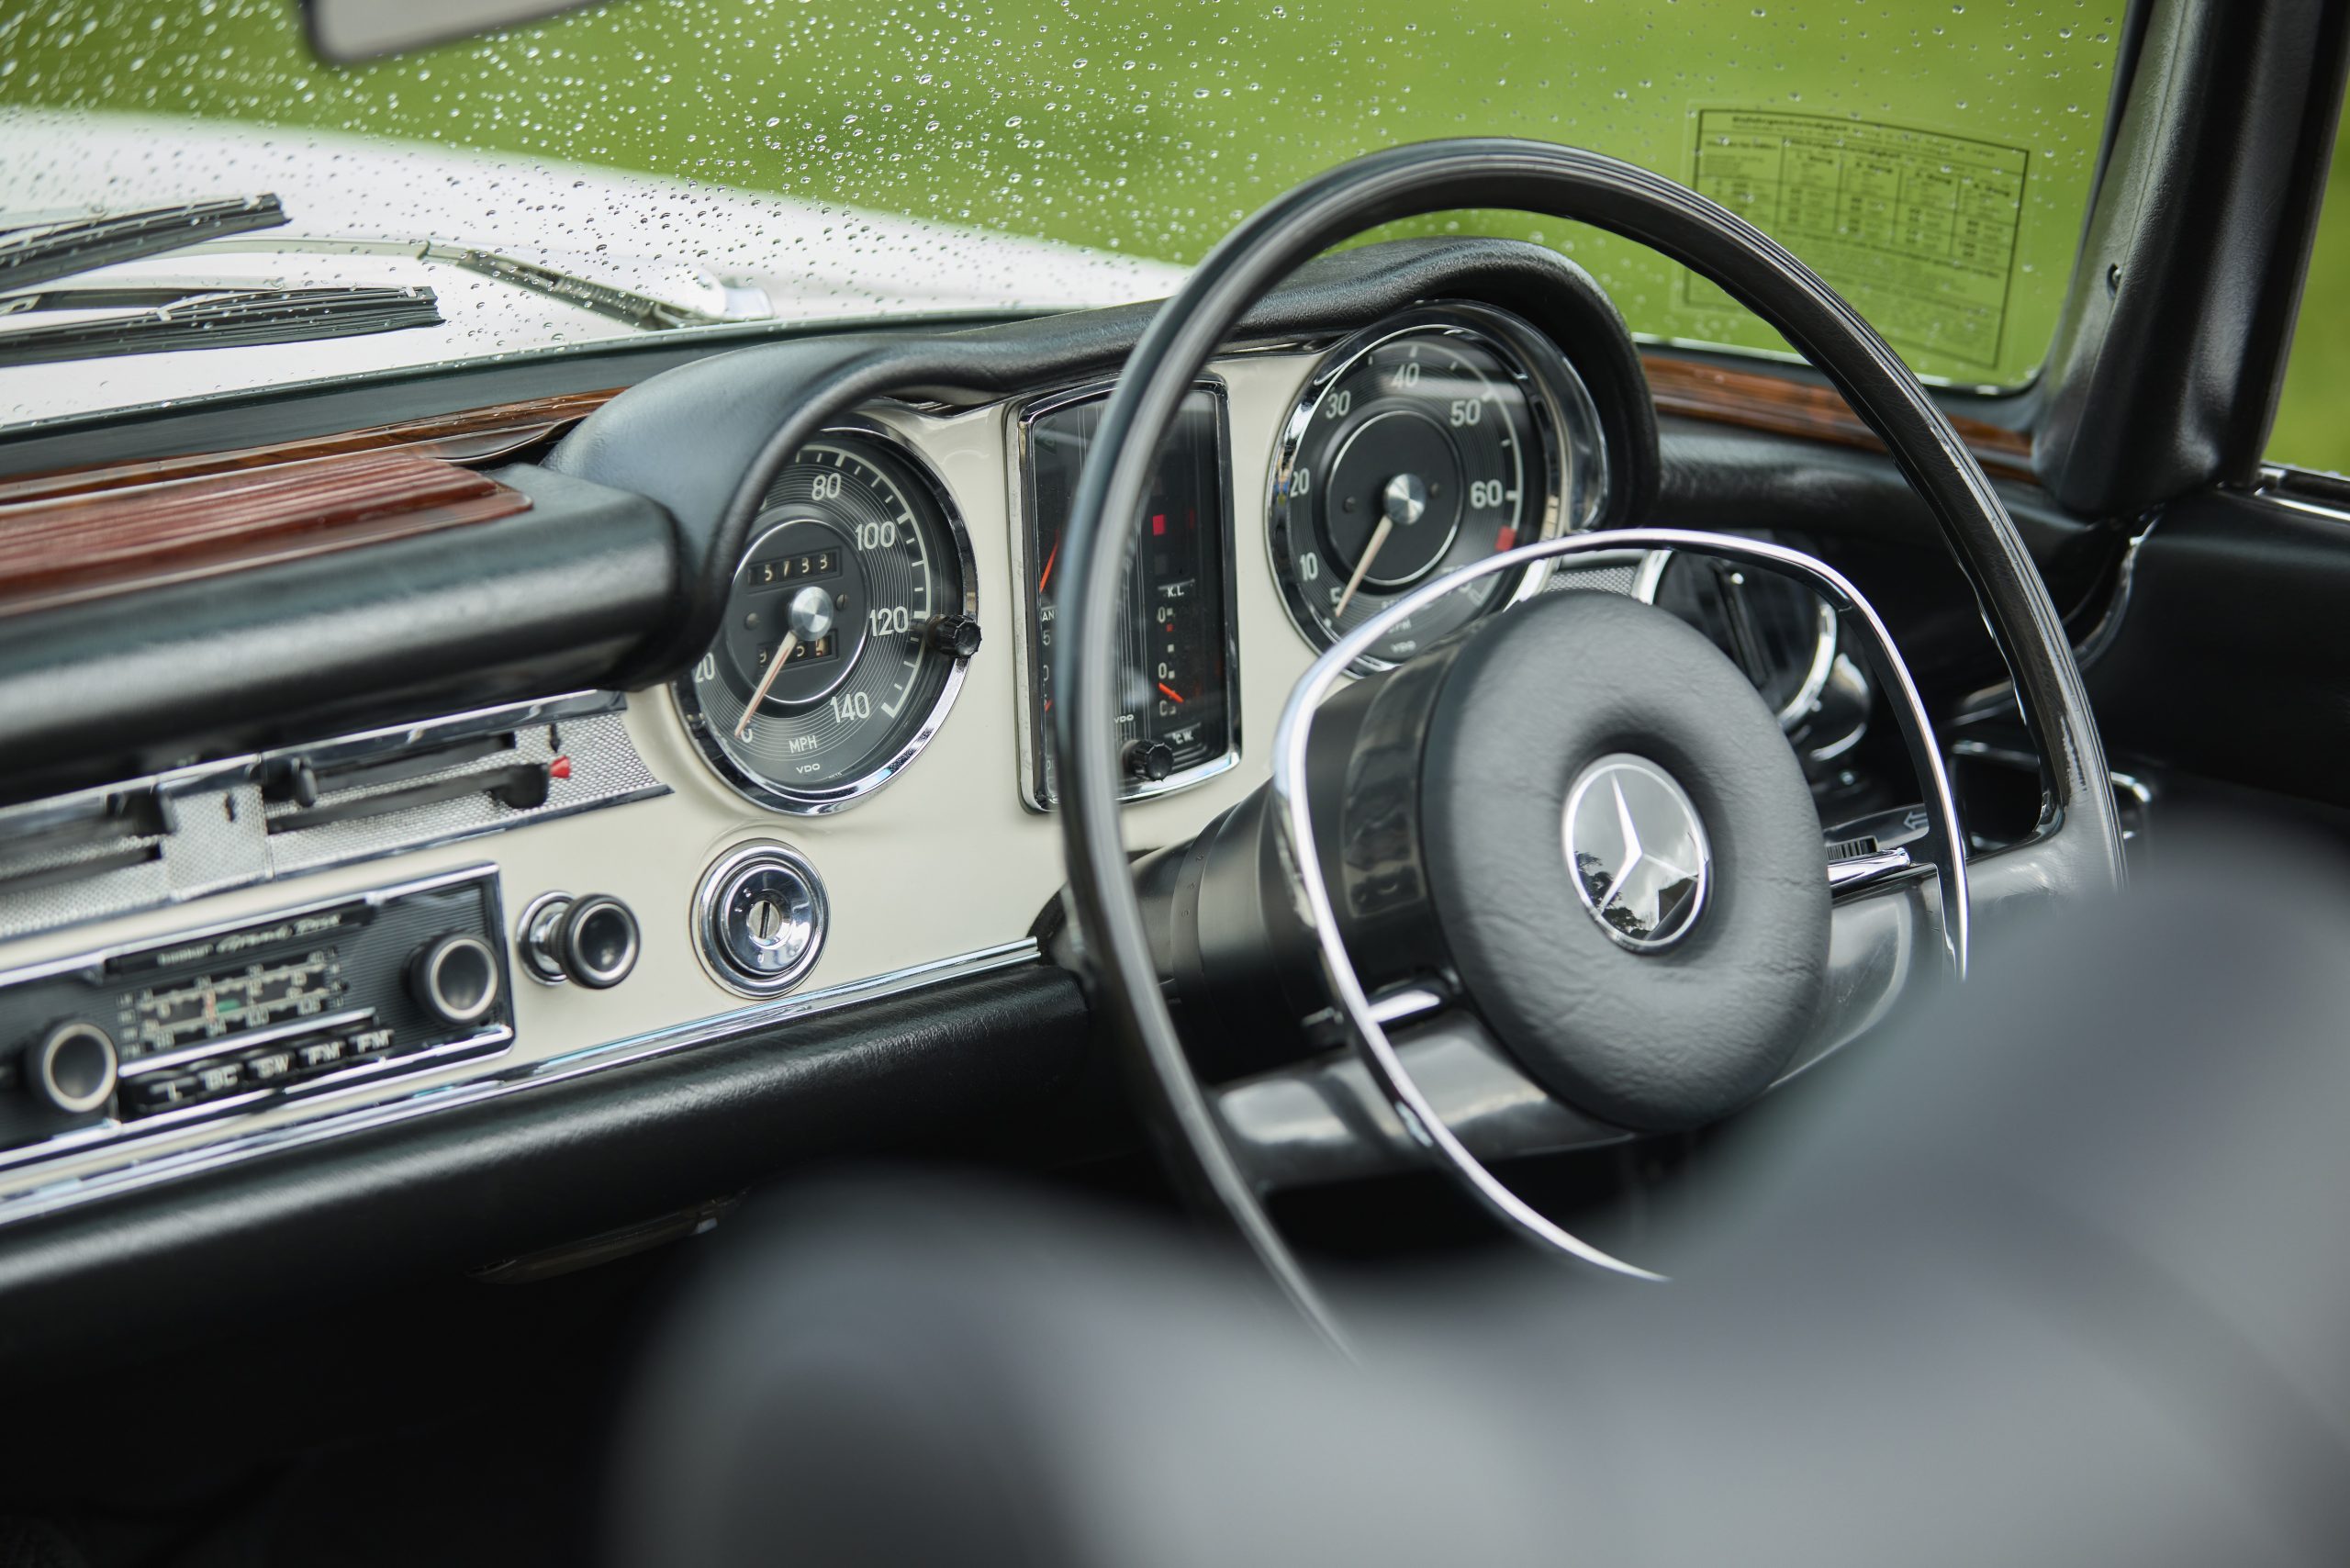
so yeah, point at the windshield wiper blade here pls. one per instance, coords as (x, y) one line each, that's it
(43, 252)
(607, 299)
(215, 320)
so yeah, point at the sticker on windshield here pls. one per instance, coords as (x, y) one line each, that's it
(1916, 230)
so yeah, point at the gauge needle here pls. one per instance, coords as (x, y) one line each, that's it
(1169, 693)
(1378, 537)
(766, 682)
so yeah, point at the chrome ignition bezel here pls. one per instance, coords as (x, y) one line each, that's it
(710, 945)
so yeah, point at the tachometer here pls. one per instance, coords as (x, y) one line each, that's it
(845, 633)
(1432, 441)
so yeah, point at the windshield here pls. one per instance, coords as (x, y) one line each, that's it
(796, 160)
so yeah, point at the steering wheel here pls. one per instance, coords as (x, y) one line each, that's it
(1580, 802)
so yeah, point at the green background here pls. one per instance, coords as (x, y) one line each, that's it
(1152, 127)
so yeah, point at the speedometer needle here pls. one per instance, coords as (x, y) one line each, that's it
(767, 683)
(1378, 537)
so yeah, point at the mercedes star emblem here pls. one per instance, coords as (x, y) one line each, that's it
(1637, 852)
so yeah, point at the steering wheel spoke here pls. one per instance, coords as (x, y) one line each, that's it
(1326, 1120)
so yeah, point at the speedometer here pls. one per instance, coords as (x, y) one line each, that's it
(1431, 442)
(846, 631)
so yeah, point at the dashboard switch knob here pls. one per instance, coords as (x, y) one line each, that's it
(593, 939)
(957, 635)
(1148, 762)
(598, 941)
(71, 1068)
(456, 978)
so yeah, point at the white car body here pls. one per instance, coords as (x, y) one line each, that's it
(371, 211)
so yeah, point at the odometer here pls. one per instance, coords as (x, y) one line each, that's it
(1178, 668)
(845, 633)
(1427, 444)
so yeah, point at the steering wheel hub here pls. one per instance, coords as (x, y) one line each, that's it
(1660, 973)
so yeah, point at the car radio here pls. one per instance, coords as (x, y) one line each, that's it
(305, 1002)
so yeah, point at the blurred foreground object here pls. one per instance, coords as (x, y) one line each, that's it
(2058, 1276)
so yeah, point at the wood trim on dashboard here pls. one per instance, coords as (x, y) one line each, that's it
(1760, 400)
(85, 532)
(1756, 399)
(75, 546)
(474, 435)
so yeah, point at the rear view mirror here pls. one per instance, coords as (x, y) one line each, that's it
(343, 32)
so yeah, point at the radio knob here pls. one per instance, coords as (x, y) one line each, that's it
(456, 978)
(71, 1068)
(593, 939)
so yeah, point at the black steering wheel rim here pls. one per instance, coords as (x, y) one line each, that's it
(2082, 837)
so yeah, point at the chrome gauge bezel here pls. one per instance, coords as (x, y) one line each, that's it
(1566, 423)
(1029, 723)
(839, 797)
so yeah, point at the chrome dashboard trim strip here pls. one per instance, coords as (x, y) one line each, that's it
(74, 1191)
(1861, 871)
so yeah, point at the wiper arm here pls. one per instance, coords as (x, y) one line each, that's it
(638, 310)
(32, 254)
(215, 320)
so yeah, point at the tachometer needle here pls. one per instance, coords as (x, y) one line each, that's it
(1378, 537)
(767, 683)
(1169, 693)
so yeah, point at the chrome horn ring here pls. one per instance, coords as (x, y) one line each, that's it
(1359, 1020)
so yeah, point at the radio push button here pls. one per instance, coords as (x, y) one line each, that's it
(163, 1092)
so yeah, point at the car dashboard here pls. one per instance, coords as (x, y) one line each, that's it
(344, 886)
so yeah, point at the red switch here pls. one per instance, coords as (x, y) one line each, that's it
(559, 768)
